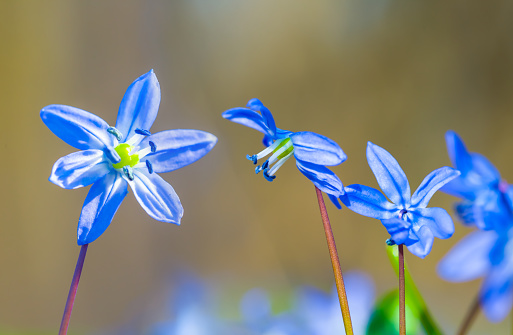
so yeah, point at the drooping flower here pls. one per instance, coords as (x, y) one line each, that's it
(313, 152)
(486, 197)
(128, 154)
(487, 254)
(406, 217)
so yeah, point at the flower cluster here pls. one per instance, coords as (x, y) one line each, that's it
(487, 204)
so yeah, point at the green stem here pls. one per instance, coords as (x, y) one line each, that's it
(402, 295)
(339, 280)
(73, 291)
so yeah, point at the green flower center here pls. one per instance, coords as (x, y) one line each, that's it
(123, 151)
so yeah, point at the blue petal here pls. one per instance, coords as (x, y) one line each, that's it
(322, 177)
(248, 118)
(485, 169)
(497, 291)
(178, 148)
(79, 169)
(389, 174)
(157, 197)
(460, 188)
(139, 106)
(257, 106)
(431, 184)
(458, 153)
(469, 259)
(491, 210)
(398, 229)
(369, 202)
(314, 148)
(335, 201)
(436, 219)
(100, 205)
(422, 247)
(77, 127)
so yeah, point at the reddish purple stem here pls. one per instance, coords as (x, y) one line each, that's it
(73, 291)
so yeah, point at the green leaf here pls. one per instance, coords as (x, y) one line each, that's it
(413, 296)
(384, 319)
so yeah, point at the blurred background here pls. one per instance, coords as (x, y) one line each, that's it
(397, 73)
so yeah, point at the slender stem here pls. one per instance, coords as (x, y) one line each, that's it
(402, 295)
(73, 291)
(339, 280)
(470, 317)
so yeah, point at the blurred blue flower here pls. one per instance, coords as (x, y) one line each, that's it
(258, 318)
(486, 198)
(406, 218)
(321, 311)
(313, 152)
(114, 157)
(487, 254)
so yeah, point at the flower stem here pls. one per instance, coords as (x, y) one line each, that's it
(339, 280)
(471, 315)
(402, 296)
(73, 291)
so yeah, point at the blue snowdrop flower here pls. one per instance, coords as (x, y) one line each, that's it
(128, 154)
(313, 152)
(487, 254)
(406, 218)
(486, 197)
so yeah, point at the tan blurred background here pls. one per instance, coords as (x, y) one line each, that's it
(397, 73)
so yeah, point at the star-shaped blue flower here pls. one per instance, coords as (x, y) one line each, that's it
(487, 254)
(406, 218)
(486, 197)
(313, 152)
(114, 157)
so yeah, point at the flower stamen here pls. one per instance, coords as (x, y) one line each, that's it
(116, 133)
(129, 172)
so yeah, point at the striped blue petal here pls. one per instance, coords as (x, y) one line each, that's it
(398, 229)
(436, 219)
(156, 197)
(422, 246)
(178, 148)
(433, 181)
(100, 205)
(79, 169)
(368, 201)
(314, 148)
(248, 118)
(77, 127)
(257, 106)
(139, 106)
(389, 175)
(322, 177)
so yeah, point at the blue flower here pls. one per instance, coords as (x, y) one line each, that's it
(114, 157)
(406, 218)
(487, 254)
(486, 198)
(313, 152)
